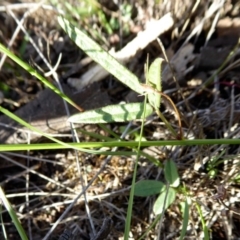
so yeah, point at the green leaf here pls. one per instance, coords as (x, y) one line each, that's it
(185, 210)
(159, 204)
(171, 173)
(145, 188)
(154, 78)
(154, 74)
(113, 113)
(100, 56)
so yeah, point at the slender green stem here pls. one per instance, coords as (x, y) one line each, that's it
(150, 227)
(130, 202)
(168, 125)
(131, 144)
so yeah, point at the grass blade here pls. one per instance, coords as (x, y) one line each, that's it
(34, 73)
(205, 229)
(131, 144)
(13, 215)
(185, 218)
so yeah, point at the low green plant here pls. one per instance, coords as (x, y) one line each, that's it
(145, 188)
(166, 192)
